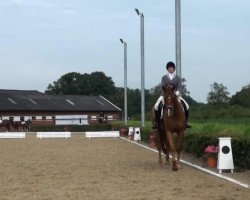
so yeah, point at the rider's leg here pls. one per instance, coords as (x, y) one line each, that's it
(157, 114)
(186, 109)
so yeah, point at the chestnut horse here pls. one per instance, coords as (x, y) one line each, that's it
(173, 121)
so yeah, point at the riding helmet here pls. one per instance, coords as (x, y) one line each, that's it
(170, 64)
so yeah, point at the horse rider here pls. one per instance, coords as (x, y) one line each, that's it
(171, 78)
(22, 120)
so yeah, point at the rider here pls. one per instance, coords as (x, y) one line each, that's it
(172, 78)
(22, 119)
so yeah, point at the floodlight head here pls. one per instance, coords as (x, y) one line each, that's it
(121, 40)
(137, 11)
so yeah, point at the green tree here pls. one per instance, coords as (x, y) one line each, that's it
(218, 94)
(73, 83)
(99, 83)
(242, 97)
(69, 83)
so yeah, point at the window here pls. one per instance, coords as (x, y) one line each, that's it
(32, 101)
(12, 101)
(70, 102)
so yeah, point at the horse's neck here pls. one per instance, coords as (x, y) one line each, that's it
(178, 106)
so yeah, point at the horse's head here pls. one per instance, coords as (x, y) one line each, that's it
(169, 98)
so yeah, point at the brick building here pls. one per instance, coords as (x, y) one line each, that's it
(45, 109)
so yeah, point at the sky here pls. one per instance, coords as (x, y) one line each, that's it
(41, 40)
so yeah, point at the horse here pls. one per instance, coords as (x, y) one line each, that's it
(174, 122)
(25, 125)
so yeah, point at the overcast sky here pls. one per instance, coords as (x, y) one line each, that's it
(41, 40)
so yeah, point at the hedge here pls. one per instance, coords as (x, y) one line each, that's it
(196, 143)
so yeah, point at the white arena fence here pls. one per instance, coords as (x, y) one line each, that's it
(12, 135)
(53, 135)
(114, 134)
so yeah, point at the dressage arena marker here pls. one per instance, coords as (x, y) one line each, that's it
(114, 134)
(196, 166)
(12, 135)
(225, 155)
(53, 135)
(137, 134)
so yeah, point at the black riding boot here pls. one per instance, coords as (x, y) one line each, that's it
(156, 120)
(186, 115)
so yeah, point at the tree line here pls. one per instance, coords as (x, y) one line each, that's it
(219, 103)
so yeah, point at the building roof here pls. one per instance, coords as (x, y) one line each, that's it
(33, 100)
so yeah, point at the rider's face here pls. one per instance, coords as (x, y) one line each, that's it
(171, 69)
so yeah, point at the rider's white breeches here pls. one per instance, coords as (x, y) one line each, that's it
(162, 99)
(159, 100)
(187, 106)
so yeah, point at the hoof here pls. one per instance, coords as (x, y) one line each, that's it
(175, 166)
(178, 166)
(167, 162)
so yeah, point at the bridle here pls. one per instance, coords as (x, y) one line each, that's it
(169, 107)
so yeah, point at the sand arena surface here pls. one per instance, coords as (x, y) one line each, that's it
(99, 168)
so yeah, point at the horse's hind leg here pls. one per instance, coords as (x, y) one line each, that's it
(160, 159)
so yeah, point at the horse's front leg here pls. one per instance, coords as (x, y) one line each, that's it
(158, 145)
(172, 150)
(179, 146)
(167, 153)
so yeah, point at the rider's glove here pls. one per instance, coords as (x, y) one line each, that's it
(177, 93)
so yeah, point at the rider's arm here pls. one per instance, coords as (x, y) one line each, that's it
(178, 87)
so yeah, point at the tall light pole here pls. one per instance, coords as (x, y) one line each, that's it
(142, 68)
(125, 83)
(178, 36)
